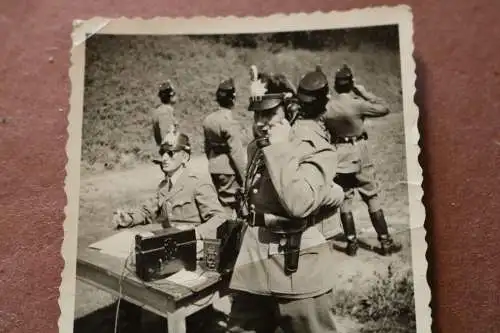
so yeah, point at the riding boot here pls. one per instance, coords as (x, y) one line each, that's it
(388, 245)
(347, 220)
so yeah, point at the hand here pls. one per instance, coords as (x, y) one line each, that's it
(121, 219)
(365, 94)
(279, 132)
(359, 89)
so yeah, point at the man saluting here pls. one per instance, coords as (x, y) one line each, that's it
(345, 121)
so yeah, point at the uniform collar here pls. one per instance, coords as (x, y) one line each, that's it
(175, 177)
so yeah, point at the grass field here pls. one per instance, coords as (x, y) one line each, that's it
(123, 73)
(374, 294)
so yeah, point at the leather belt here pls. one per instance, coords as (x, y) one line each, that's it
(350, 139)
(289, 232)
(277, 222)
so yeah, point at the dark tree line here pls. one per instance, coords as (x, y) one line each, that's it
(383, 36)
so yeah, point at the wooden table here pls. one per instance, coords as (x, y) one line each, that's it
(165, 298)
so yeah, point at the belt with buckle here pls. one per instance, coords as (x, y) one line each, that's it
(276, 223)
(350, 139)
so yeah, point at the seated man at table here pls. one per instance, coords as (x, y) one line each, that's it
(183, 199)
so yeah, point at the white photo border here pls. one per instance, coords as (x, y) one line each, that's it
(365, 17)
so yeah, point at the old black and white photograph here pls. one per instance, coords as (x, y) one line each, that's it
(245, 174)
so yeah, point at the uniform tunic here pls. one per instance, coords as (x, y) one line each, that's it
(190, 202)
(295, 182)
(164, 121)
(344, 119)
(225, 153)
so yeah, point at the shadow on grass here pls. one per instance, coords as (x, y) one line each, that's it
(340, 238)
(132, 320)
(103, 320)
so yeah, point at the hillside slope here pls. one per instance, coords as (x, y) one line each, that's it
(123, 73)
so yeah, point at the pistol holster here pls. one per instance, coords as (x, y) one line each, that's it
(290, 232)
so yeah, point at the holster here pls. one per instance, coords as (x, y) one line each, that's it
(290, 233)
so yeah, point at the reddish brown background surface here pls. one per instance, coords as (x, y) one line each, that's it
(457, 53)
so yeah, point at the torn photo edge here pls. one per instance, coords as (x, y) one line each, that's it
(365, 17)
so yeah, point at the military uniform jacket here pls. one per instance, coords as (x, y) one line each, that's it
(344, 118)
(192, 201)
(164, 121)
(295, 182)
(223, 144)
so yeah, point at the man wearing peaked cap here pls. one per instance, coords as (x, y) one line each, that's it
(184, 199)
(224, 148)
(313, 87)
(226, 92)
(163, 117)
(344, 120)
(278, 279)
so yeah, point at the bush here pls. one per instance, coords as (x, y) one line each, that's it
(387, 306)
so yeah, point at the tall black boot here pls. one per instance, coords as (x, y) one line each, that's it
(388, 245)
(350, 233)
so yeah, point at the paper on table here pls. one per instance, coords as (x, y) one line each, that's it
(120, 245)
(187, 278)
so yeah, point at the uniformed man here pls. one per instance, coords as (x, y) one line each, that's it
(164, 120)
(345, 121)
(224, 147)
(313, 95)
(183, 199)
(282, 277)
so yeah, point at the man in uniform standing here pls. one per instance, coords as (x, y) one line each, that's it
(164, 120)
(224, 147)
(183, 199)
(282, 275)
(345, 122)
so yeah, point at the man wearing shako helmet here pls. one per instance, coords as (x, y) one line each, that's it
(224, 148)
(184, 199)
(279, 277)
(344, 120)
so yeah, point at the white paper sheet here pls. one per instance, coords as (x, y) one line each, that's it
(187, 278)
(120, 245)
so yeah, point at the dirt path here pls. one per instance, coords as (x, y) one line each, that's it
(101, 193)
(141, 177)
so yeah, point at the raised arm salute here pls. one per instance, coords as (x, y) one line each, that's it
(344, 120)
